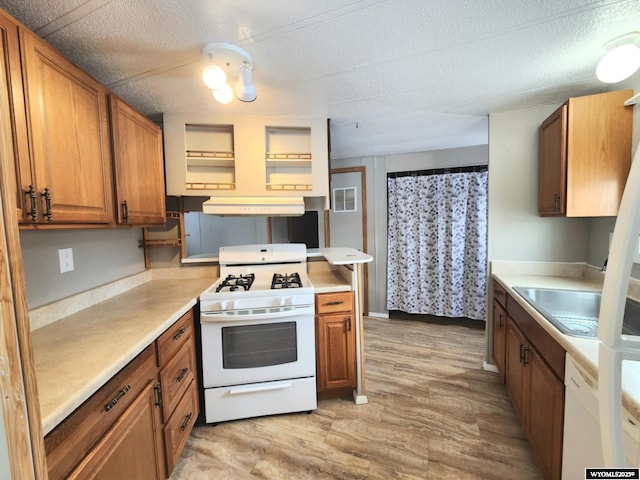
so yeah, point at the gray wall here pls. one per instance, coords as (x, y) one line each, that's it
(376, 178)
(100, 256)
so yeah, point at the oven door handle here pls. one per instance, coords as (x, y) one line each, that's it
(259, 388)
(275, 313)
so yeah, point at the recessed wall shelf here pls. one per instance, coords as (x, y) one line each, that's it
(209, 156)
(288, 158)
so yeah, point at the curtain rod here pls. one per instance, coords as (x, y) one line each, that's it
(439, 171)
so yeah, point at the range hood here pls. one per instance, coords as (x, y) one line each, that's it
(268, 206)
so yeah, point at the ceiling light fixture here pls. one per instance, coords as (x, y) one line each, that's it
(621, 60)
(224, 56)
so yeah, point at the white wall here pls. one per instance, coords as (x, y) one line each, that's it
(516, 232)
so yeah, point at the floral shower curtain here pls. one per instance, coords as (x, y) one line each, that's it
(437, 242)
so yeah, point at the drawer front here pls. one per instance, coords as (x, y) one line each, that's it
(500, 294)
(334, 302)
(68, 443)
(177, 429)
(176, 376)
(174, 337)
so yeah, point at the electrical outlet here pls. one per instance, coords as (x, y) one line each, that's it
(65, 256)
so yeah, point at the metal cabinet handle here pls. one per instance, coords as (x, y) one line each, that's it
(157, 388)
(187, 419)
(501, 320)
(525, 359)
(182, 374)
(337, 302)
(47, 204)
(125, 212)
(348, 324)
(179, 334)
(556, 202)
(31, 192)
(117, 398)
(523, 354)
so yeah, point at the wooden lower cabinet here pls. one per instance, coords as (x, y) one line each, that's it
(499, 337)
(545, 415)
(76, 437)
(137, 424)
(514, 369)
(177, 364)
(129, 449)
(335, 342)
(537, 394)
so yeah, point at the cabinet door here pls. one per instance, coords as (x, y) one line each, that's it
(336, 351)
(130, 448)
(545, 414)
(514, 372)
(138, 165)
(599, 132)
(553, 164)
(499, 336)
(14, 126)
(68, 122)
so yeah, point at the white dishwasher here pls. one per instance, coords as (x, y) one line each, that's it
(581, 443)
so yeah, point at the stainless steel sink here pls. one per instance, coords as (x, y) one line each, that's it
(575, 312)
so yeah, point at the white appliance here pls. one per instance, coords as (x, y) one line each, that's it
(614, 347)
(258, 334)
(582, 445)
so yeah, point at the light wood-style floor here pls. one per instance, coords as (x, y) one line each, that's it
(433, 413)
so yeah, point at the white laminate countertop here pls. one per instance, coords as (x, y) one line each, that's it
(78, 354)
(340, 255)
(583, 350)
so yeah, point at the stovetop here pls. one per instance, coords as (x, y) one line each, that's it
(260, 275)
(288, 289)
(243, 282)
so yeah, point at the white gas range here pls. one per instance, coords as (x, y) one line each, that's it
(258, 340)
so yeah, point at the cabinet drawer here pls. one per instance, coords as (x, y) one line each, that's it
(178, 427)
(174, 337)
(68, 443)
(500, 294)
(334, 302)
(176, 376)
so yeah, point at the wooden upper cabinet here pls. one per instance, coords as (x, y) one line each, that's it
(12, 108)
(585, 156)
(138, 166)
(67, 120)
(553, 163)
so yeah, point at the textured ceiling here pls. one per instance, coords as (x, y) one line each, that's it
(394, 76)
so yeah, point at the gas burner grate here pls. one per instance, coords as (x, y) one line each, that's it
(288, 280)
(235, 283)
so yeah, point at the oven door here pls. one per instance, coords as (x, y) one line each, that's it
(257, 345)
